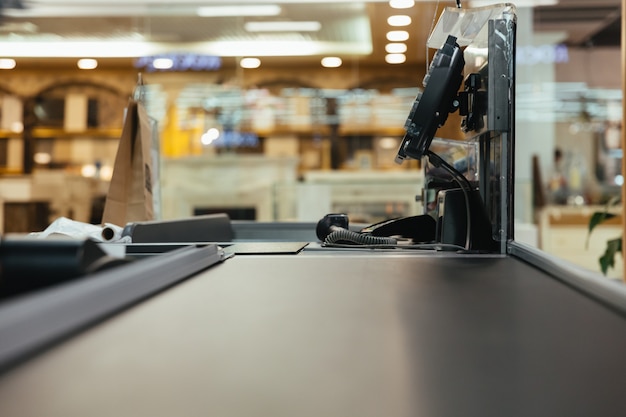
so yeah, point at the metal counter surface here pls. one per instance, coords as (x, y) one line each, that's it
(350, 335)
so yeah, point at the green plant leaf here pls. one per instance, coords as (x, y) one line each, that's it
(599, 217)
(607, 260)
(596, 219)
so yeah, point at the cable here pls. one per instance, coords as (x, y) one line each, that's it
(440, 162)
(345, 235)
(437, 161)
(421, 246)
(458, 4)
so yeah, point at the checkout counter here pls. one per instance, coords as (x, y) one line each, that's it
(334, 333)
(278, 323)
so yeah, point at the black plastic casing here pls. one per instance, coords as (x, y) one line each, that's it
(431, 108)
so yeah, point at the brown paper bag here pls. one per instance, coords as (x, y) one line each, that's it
(130, 193)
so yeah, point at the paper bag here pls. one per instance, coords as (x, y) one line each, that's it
(130, 192)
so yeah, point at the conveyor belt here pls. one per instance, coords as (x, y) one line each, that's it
(349, 335)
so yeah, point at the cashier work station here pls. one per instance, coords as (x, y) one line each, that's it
(438, 315)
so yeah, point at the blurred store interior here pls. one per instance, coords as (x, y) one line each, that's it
(288, 110)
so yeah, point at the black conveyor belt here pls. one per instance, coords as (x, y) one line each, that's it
(342, 335)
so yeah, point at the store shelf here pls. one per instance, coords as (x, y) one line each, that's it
(7, 134)
(55, 132)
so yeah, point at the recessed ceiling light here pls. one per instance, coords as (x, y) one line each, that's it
(163, 63)
(87, 63)
(7, 63)
(248, 10)
(395, 58)
(399, 20)
(397, 35)
(306, 26)
(250, 63)
(331, 62)
(401, 4)
(395, 48)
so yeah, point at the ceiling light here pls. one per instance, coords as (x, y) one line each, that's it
(306, 26)
(250, 63)
(84, 8)
(69, 10)
(248, 10)
(399, 20)
(395, 58)
(282, 48)
(401, 4)
(87, 63)
(518, 4)
(397, 35)
(78, 49)
(134, 49)
(331, 62)
(163, 63)
(395, 48)
(7, 63)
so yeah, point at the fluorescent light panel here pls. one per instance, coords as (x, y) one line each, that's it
(78, 49)
(284, 26)
(248, 10)
(135, 49)
(62, 10)
(124, 3)
(518, 3)
(98, 9)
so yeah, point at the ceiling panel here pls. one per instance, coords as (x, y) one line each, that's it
(349, 28)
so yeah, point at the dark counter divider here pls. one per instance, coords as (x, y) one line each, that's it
(28, 264)
(36, 320)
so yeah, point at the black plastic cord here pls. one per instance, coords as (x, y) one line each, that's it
(464, 185)
(438, 161)
(420, 246)
(357, 238)
(458, 4)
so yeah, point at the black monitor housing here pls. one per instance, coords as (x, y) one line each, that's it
(473, 71)
(431, 107)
